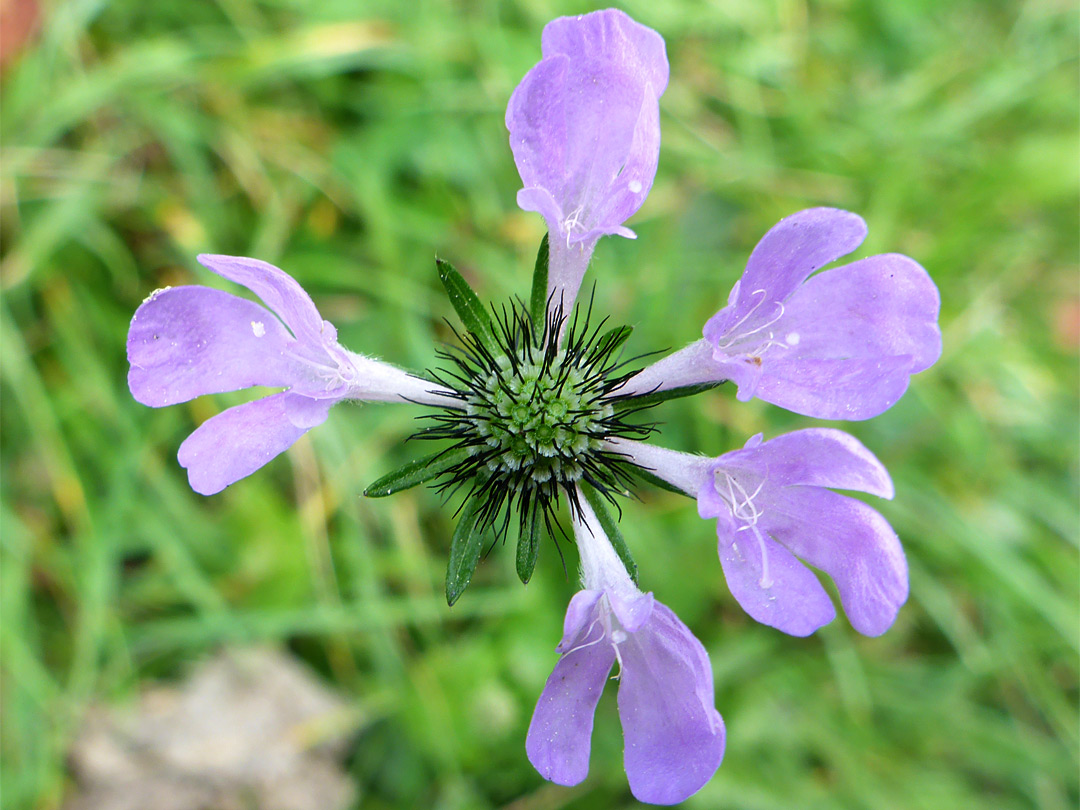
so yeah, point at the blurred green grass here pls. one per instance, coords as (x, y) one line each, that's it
(351, 142)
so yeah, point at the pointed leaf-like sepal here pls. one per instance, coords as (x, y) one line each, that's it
(611, 529)
(464, 551)
(658, 482)
(468, 306)
(528, 547)
(539, 298)
(416, 472)
(612, 339)
(657, 397)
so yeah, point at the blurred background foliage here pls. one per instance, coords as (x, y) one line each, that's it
(350, 141)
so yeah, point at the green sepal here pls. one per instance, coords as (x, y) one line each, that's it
(528, 547)
(659, 482)
(611, 529)
(539, 299)
(465, 548)
(615, 337)
(668, 393)
(467, 305)
(416, 472)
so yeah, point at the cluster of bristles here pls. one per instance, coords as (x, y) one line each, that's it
(533, 416)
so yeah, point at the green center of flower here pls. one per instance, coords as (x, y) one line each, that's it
(538, 420)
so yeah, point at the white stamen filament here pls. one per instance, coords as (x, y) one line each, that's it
(343, 373)
(573, 222)
(738, 509)
(744, 509)
(587, 634)
(616, 635)
(734, 336)
(618, 660)
(747, 316)
(765, 581)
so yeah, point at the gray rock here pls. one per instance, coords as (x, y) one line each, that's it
(250, 729)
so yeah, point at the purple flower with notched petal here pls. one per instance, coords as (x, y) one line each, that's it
(773, 509)
(585, 131)
(674, 737)
(188, 341)
(839, 345)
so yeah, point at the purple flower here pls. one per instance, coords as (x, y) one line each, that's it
(585, 131)
(188, 341)
(841, 345)
(674, 737)
(773, 510)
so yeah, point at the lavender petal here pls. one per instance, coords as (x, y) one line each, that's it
(536, 117)
(674, 737)
(851, 337)
(850, 542)
(632, 608)
(882, 306)
(792, 249)
(579, 614)
(610, 34)
(822, 457)
(852, 389)
(188, 341)
(572, 128)
(236, 442)
(770, 584)
(279, 291)
(585, 132)
(560, 732)
(634, 179)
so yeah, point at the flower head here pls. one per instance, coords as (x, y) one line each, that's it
(775, 512)
(839, 345)
(530, 414)
(585, 131)
(188, 341)
(674, 736)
